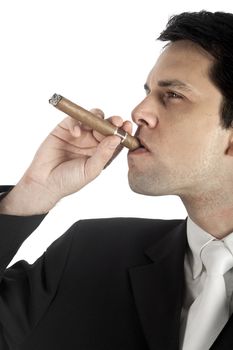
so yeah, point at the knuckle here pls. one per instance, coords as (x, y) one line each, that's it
(116, 120)
(98, 112)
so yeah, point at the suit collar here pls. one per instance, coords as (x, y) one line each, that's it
(158, 289)
(225, 339)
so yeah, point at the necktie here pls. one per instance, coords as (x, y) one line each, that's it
(209, 312)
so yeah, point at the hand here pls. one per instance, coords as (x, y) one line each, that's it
(69, 158)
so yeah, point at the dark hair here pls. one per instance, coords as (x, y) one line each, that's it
(213, 31)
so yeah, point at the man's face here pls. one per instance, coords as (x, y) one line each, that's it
(179, 124)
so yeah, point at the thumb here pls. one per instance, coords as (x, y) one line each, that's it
(102, 155)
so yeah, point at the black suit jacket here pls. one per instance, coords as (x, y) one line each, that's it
(104, 284)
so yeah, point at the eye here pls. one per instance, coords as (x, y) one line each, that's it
(172, 95)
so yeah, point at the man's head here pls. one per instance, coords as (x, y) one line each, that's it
(214, 33)
(185, 119)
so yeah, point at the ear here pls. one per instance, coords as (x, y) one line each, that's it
(229, 150)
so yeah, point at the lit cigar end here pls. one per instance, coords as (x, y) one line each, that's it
(55, 99)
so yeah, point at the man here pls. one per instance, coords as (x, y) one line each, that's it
(135, 283)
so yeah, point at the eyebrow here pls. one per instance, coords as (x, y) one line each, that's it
(172, 83)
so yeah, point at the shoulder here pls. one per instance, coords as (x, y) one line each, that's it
(122, 234)
(127, 228)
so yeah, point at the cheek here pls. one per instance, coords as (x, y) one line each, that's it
(189, 132)
(199, 157)
(174, 136)
(185, 142)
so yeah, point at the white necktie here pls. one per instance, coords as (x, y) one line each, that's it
(210, 311)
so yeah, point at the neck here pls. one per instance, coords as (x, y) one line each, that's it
(213, 212)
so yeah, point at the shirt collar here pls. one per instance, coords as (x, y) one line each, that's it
(197, 240)
(228, 241)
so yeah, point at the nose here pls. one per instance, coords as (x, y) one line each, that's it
(145, 114)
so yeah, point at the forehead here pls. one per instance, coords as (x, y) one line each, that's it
(184, 61)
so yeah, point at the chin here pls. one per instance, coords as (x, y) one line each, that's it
(138, 187)
(135, 189)
(144, 186)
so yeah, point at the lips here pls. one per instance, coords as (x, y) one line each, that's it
(138, 135)
(143, 144)
(142, 149)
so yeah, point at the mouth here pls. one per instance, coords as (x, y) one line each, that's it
(143, 145)
(142, 149)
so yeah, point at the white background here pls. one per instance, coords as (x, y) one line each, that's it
(97, 53)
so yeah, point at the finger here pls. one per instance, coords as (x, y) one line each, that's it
(98, 113)
(102, 155)
(75, 127)
(68, 125)
(76, 131)
(128, 127)
(115, 154)
(115, 120)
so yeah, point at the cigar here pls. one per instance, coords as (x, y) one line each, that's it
(104, 127)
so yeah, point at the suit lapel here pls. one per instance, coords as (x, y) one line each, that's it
(158, 290)
(225, 338)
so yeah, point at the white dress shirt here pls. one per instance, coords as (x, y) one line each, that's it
(195, 273)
